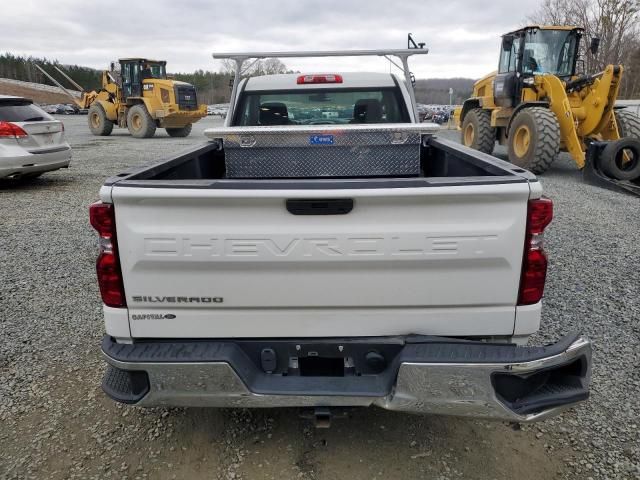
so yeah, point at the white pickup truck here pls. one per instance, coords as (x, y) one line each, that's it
(307, 259)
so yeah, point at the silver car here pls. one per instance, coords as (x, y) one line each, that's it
(31, 141)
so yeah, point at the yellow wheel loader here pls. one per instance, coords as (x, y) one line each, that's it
(538, 105)
(138, 96)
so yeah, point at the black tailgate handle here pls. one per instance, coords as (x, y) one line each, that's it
(321, 206)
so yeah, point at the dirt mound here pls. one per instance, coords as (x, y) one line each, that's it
(38, 96)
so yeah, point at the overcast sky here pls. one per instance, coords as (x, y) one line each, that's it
(463, 36)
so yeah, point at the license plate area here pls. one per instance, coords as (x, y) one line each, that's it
(323, 358)
(322, 366)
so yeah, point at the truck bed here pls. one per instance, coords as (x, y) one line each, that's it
(438, 162)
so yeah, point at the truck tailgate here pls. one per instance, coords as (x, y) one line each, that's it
(203, 263)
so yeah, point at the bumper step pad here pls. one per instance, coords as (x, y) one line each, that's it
(124, 385)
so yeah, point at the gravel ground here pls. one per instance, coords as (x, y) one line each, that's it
(56, 423)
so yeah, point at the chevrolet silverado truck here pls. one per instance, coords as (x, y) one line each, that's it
(325, 249)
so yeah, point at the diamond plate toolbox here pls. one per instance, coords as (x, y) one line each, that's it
(321, 151)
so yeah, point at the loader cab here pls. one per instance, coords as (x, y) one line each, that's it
(531, 51)
(135, 70)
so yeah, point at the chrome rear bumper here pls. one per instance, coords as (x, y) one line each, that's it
(437, 376)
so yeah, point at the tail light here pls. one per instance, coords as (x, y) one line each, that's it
(102, 218)
(8, 129)
(534, 261)
(330, 78)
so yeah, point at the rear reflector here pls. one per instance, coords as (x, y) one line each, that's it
(110, 280)
(534, 261)
(304, 79)
(8, 129)
(534, 275)
(102, 218)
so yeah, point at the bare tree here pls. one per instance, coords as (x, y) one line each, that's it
(270, 66)
(227, 65)
(631, 79)
(555, 12)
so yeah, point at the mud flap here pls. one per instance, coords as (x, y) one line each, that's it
(592, 174)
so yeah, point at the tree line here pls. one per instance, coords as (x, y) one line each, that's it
(212, 87)
(23, 68)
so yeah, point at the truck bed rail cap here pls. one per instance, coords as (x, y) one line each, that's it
(220, 132)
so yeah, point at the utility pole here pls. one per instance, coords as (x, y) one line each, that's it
(450, 104)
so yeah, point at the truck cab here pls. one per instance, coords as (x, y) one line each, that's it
(349, 98)
(137, 72)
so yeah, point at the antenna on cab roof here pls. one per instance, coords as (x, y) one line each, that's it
(412, 44)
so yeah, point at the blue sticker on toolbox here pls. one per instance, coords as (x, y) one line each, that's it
(321, 140)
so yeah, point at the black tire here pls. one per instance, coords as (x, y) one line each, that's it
(541, 127)
(179, 132)
(628, 124)
(99, 124)
(612, 162)
(477, 132)
(140, 123)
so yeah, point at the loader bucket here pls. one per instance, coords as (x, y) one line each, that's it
(593, 175)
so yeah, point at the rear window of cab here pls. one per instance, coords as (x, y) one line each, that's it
(322, 107)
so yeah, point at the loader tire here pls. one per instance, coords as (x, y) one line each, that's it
(179, 132)
(534, 139)
(477, 132)
(613, 162)
(140, 123)
(99, 124)
(628, 124)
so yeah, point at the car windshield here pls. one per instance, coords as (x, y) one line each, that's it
(21, 111)
(322, 106)
(549, 51)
